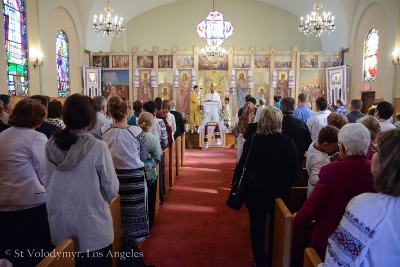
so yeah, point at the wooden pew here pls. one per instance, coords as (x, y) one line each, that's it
(157, 206)
(283, 227)
(289, 242)
(115, 208)
(166, 172)
(172, 164)
(66, 258)
(300, 241)
(178, 150)
(311, 258)
(183, 146)
(298, 195)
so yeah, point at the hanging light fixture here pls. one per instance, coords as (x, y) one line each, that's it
(108, 25)
(396, 58)
(215, 30)
(317, 23)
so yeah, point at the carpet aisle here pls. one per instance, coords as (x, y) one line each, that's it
(194, 227)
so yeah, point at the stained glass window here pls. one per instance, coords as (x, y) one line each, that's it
(215, 29)
(15, 43)
(371, 55)
(62, 61)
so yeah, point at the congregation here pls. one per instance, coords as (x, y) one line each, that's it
(343, 155)
(62, 165)
(89, 150)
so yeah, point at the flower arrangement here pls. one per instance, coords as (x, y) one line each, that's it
(223, 114)
(190, 132)
(203, 114)
(184, 118)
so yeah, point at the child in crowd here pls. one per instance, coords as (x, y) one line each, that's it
(317, 155)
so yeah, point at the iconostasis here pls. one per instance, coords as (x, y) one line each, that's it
(171, 74)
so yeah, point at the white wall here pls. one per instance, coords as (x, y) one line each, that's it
(255, 23)
(44, 18)
(383, 15)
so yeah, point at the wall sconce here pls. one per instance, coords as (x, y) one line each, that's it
(38, 63)
(396, 58)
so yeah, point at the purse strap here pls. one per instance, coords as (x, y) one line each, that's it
(247, 159)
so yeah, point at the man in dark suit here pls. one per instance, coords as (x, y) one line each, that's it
(295, 128)
(46, 128)
(355, 111)
(180, 127)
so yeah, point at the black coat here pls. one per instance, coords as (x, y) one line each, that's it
(274, 164)
(48, 129)
(180, 127)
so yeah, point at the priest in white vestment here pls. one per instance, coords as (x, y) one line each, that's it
(213, 96)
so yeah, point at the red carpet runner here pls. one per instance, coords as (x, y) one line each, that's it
(194, 227)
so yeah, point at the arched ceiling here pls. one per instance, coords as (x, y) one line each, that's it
(129, 9)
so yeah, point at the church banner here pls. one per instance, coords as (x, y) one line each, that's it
(91, 81)
(336, 84)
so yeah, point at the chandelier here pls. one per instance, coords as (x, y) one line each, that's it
(215, 30)
(108, 25)
(316, 23)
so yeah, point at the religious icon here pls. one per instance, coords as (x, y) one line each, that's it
(165, 61)
(282, 86)
(145, 62)
(335, 78)
(242, 89)
(145, 89)
(121, 61)
(184, 91)
(165, 94)
(92, 77)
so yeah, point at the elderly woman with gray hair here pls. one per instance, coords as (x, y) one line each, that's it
(339, 182)
(370, 222)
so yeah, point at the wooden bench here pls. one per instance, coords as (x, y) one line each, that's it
(172, 164)
(166, 173)
(157, 205)
(65, 259)
(283, 227)
(289, 242)
(183, 146)
(115, 208)
(178, 150)
(311, 258)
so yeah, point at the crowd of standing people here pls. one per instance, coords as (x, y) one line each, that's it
(350, 159)
(63, 164)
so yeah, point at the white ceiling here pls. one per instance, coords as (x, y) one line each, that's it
(129, 9)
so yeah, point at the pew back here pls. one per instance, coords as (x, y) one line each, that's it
(62, 255)
(282, 242)
(311, 258)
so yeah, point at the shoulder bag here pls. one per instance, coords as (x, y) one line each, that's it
(236, 196)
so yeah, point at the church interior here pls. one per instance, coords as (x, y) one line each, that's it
(163, 49)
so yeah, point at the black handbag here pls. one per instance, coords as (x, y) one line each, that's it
(236, 196)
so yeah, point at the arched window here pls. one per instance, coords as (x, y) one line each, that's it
(62, 61)
(15, 43)
(371, 55)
